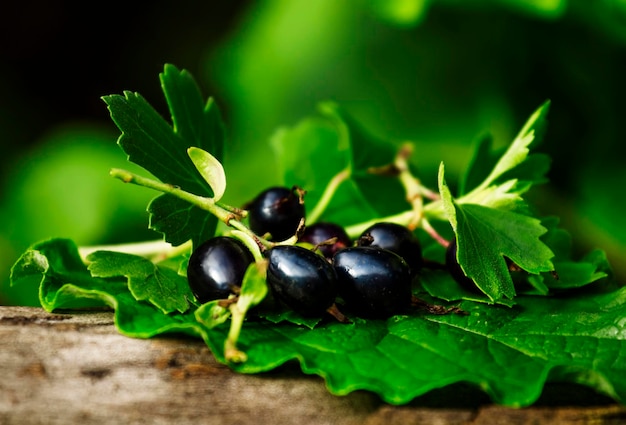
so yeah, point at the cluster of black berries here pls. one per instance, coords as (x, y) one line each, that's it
(371, 275)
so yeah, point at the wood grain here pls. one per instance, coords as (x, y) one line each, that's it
(75, 368)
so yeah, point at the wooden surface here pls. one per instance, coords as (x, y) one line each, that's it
(76, 368)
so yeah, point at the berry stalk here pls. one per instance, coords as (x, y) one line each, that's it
(227, 214)
(329, 192)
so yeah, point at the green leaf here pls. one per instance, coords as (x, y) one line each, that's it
(192, 118)
(440, 285)
(212, 314)
(518, 150)
(273, 312)
(486, 235)
(180, 221)
(210, 169)
(367, 152)
(509, 353)
(51, 264)
(253, 286)
(65, 283)
(529, 172)
(364, 151)
(161, 149)
(513, 173)
(570, 273)
(317, 140)
(319, 147)
(162, 286)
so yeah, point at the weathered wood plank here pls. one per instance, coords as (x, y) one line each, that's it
(76, 368)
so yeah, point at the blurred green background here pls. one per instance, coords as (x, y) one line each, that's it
(437, 72)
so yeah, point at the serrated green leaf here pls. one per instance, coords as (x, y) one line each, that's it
(192, 118)
(150, 141)
(367, 152)
(573, 274)
(147, 281)
(486, 235)
(317, 140)
(517, 152)
(161, 149)
(440, 285)
(51, 264)
(286, 315)
(180, 221)
(319, 147)
(531, 171)
(513, 173)
(211, 170)
(510, 353)
(570, 273)
(364, 150)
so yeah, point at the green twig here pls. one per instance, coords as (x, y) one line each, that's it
(329, 192)
(157, 250)
(231, 352)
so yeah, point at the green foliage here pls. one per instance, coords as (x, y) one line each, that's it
(438, 73)
(508, 352)
(162, 286)
(485, 236)
(160, 148)
(509, 342)
(330, 140)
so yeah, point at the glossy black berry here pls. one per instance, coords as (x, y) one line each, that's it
(277, 211)
(455, 270)
(373, 282)
(216, 268)
(318, 233)
(396, 238)
(301, 279)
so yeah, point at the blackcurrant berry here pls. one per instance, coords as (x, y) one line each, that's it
(395, 238)
(373, 282)
(277, 211)
(452, 264)
(301, 279)
(216, 268)
(318, 233)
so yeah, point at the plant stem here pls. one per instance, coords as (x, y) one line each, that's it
(231, 352)
(412, 185)
(415, 194)
(223, 213)
(329, 192)
(157, 250)
(402, 218)
(253, 290)
(428, 228)
(253, 243)
(229, 215)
